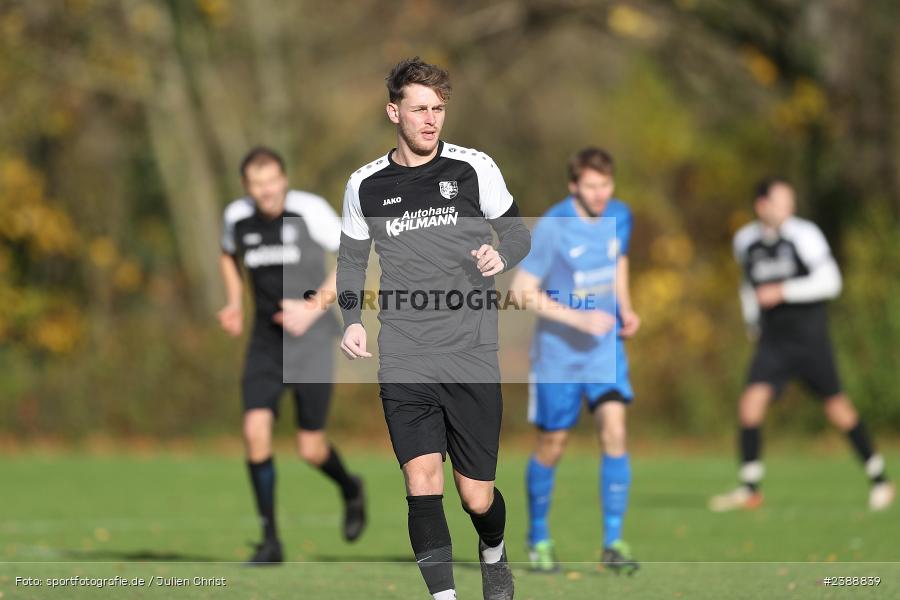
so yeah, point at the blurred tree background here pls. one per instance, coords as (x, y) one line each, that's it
(122, 123)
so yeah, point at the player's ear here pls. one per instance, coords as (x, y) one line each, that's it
(393, 112)
(573, 187)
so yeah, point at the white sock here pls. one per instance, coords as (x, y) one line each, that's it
(492, 555)
(445, 595)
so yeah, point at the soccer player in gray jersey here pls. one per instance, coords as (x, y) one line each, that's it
(280, 237)
(789, 275)
(431, 208)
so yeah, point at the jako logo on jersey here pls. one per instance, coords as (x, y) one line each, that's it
(421, 219)
(265, 256)
(396, 200)
(251, 239)
(448, 189)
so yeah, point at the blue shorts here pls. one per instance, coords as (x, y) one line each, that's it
(554, 406)
(559, 385)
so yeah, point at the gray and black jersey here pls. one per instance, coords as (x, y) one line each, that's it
(284, 256)
(424, 222)
(798, 256)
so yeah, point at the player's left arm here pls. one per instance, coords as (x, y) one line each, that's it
(502, 213)
(324, 226)
(823, 282)
(631, 322)
(299, 314)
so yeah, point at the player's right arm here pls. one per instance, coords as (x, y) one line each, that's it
(526, 289)
(749, 304)
(353, 260)
(231, 316)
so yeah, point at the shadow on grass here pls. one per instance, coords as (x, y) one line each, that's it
(136, 556)
(355, 558)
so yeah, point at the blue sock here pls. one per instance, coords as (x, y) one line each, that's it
(615, 479)
(539, 482)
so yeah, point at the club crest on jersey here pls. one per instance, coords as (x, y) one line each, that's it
(288, 233)
(448, 189)
(612, 249)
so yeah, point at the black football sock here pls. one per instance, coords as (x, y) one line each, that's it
(430, 539)
(490, 525)
(751, 471)
(262, 476)
(862, 444)
(333, 467)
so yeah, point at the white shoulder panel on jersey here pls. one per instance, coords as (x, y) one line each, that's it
(353, 224)
(323, 224)
(808, 239)
(236, 211)
(493, 195)
(745, 237)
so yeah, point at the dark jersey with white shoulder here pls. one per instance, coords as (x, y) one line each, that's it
(284, 256)
(424, 222)
(796, 255)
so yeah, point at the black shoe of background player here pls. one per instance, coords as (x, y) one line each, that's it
(355, 512)
(267, 553)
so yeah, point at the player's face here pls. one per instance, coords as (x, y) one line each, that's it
(419, 117)
(775, 208)
(267, 185)
(592, 190)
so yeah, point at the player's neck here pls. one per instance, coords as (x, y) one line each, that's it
(582, 211)
(772, 226)
(274, 213)
(405, 157)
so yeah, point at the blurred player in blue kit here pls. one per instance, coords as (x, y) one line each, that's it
(576, 278)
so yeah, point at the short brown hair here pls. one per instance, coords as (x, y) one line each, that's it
(590, 158)
(765, 185)
(260, 155)
(415, 70)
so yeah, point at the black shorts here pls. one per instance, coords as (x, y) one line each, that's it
(263, 383)
(811, 360)
(426, 414)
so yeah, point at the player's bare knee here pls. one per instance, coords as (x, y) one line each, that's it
(425, 484)
(550, 447)
(477, 501)
(259, 448)
(424, 477)
(752, 405)
(313, 454)
(312, 447)
(257, 436)
(841, 412)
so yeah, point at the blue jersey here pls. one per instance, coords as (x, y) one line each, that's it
(575, 259)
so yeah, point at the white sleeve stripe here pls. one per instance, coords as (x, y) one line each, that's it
(323, 224)
(235, 212)
(353, 222)
(808, 239)
(494, 197)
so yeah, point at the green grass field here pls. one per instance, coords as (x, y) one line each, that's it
(189, 516)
